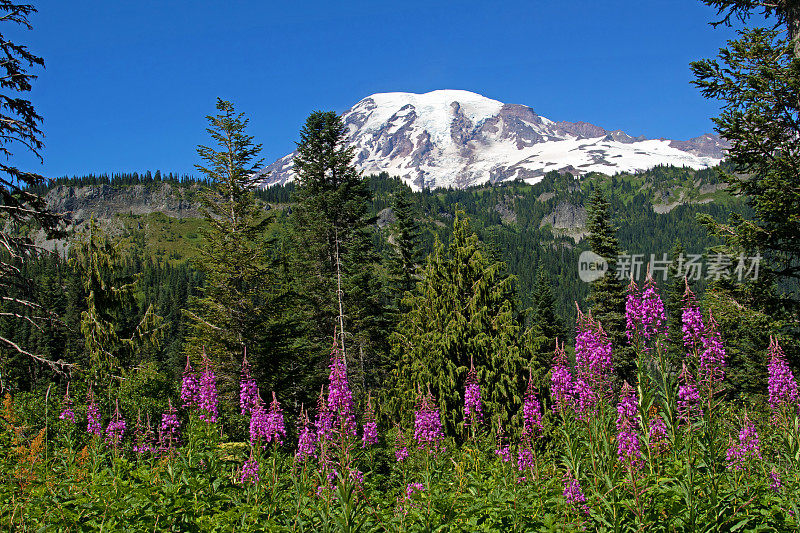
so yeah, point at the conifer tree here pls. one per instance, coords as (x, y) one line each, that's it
(756, 79)
(408, 256)
(114, 335)
(333, 249)
(240, 305)
(607, 294)
(462, 312)
(673, 302)
(21, 208)
(546, 325)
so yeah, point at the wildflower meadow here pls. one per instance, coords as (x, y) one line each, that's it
(665, 453)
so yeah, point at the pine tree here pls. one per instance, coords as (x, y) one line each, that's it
(333, 250)
(22, 209)
(607, 294)
(406, 235)
(674, 295)
(114, 334)
(462, 312)
(756, 79)
(240, 305)
(546, 325)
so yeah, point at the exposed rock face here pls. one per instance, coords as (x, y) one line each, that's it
(565, 216)
(458, 139)
(79, 204)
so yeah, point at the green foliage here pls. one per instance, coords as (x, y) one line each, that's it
(333, 253)
(111, 343)
(241, 308)
(607, 294)
(462, 312)
(21, 208)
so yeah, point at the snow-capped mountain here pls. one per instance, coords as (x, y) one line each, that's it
(456, 139)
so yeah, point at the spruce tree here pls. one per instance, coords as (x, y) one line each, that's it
(406, 236)
(673, 303)
(334, 256)
(240, 307)
(116, 335)
(23, 209)
(756, 80)
(546, 324)
(607, 294)
(461, 313)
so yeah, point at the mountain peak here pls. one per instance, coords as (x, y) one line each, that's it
(456, 138)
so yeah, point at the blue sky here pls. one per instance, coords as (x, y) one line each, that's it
(127, 84)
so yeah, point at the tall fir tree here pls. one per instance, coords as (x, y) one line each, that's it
(673, 302)
(407, 245)
(241, 304)
(546, 324)
(756, 80)
(607, 294)
(333, 249)
(116, 335)
(21, 208)
(461, 313)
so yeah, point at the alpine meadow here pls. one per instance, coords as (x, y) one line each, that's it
(438, 312)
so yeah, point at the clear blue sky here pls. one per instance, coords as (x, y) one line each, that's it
(127, 84)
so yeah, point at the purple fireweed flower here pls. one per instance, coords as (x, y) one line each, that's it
(562, 388)
(586, 398)
(504, 453)
(369, 437)
(692, 319)
(325, 419)
(592, 350)
(644, 314)
(525, 458)
(306, 440)
(712, 358)
(142, 436)
(531, 412)
(248, 390)
(190, 387)
(250, 470)
(67, 413)
(340, 398)
(776, 483)
(592, 364)
(633, 310)
(258, 422)
(267, 425)
(275, 428)
(781, 383)
(401, 454)
(207, 402)
(503, 450)
(168, 431)
(746, 449)
(93, 426)
(653, 318)
(657, 432)
(400, 448)
(473, 407)
(411, 488)
(428, 423)
(356, 475)
(628, 447)
(689, 408)
(116, 428)
(574, 494)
